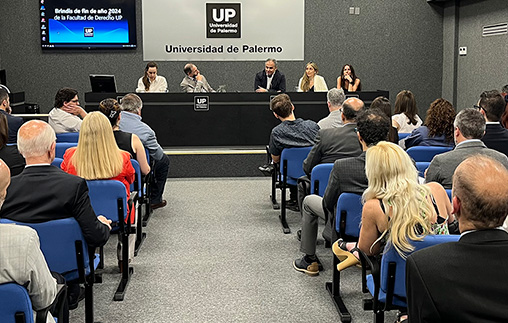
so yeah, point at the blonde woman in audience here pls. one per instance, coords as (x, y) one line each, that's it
(97, 156)
(396, 208)
(406, 117)
(310, 81)
(125, 140)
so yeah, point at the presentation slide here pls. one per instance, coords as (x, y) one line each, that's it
(88, 24)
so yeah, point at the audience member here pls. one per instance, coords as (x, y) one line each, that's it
(270, 79)
(504, 117)
(492, 106)
(383, 104)
(130, 121)
(335, 98)
(396, 207)
(469, 128)
(348, 81)
(97, 143)
(151, 82)
(406, 117)
(194, 81)
(66, 115)
(21, 259)
(9, 154)
(291, 132)
(57, 195)
(310, 81)
(125, 140)
(437, 129)
(464, 281)
(348, 175)
(13, 121)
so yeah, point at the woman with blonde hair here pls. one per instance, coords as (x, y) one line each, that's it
(310, 81)
(397, 209)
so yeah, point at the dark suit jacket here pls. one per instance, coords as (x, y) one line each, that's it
(462, 281)
(496, 137)
(11, 156)
(348, 175)
(278, 81)
(14, 123)
(43, 193)
(442, 166)
(332, 144)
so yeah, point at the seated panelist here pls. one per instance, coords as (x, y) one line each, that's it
(151, 82)
(310, 81)
(270, 79)
(348, 80)
(193, 81)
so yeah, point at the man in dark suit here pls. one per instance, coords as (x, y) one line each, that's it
(348, 175)
(332, 144)
(43, 192)
(465, 281)
(469, 129)
(270, 79)
(492, 106)
(13, 122)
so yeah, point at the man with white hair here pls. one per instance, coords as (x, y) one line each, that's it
(334, 99)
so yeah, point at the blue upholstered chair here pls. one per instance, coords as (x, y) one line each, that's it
(57, 162)
(422, 166)
(67, 137)
(67, 253)
(16, 305)
(61, 147)
(109, 198)
(347, 227)
(387, 281)
(139, 186)
(449, 192)
(291, 168)
(403, 135)
(426, 153)
(319, 178)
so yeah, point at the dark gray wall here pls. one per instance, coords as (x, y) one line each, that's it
(393, 45)
(485, 65)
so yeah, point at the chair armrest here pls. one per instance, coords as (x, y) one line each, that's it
(369, 263)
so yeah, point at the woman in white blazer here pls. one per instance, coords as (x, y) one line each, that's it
(310, 81)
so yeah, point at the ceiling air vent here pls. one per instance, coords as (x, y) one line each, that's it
(495, 30)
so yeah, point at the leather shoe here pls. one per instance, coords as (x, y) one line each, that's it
(75, 297)
(159, 205)
(267, 170)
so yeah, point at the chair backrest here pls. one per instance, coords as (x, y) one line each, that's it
(392, 258)
(67, 137)
(449, 192)
(319, 178)
(137, 184)
(61, 147)
(403, 135)
(104, 195)
(349, 215)
(58, 243)
(57, 162)
(426, 153)
(422, 166)
(15, 303)
(293, 159)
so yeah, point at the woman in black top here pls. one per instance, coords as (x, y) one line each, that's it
(9, 154)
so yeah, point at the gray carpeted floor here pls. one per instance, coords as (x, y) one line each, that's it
(217, 253)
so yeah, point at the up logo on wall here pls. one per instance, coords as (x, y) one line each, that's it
(223, 20)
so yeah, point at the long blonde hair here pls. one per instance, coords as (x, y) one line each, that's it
(393, 179)
(97, 155)
(305, 86)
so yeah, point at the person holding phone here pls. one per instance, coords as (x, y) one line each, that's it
(151, 82)
(194, 81)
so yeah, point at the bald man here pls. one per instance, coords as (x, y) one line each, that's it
(194, 82)
(466, 281)
(43, 192)
(21, 259)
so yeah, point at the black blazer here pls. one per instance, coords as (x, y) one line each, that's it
(464, 281)
(43, 193)
(11, 156)
(14, 123)
(496, 137)
(278, 81)
(332, 144)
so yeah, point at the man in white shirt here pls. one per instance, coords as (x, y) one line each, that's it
(67, 114)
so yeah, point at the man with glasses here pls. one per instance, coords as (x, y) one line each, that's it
(492, 106)
(67, 114)
(270, 79)
(469, 129)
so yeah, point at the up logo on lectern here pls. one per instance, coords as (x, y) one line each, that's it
(223, 20)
